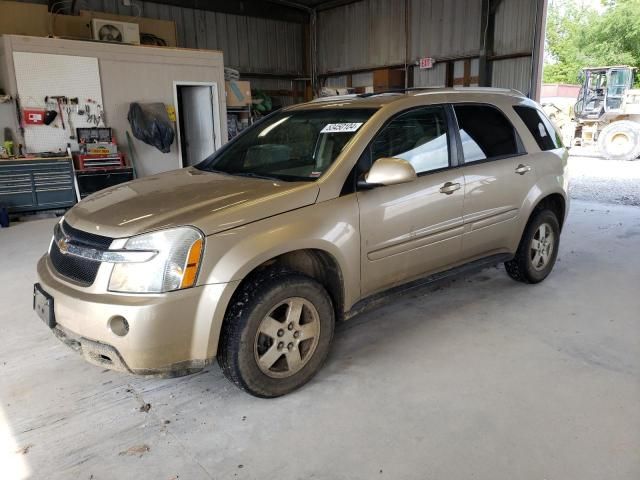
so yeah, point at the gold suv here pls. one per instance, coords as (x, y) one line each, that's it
(251, 256)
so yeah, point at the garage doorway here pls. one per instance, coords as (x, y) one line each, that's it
(198, 120)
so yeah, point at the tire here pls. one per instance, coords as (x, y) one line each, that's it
(268, 359)
(527, 266)
(620, 141)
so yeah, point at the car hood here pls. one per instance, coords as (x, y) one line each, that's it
(210, 201)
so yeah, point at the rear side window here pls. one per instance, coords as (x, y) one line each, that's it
(418, 136)
(485, 133)
(540, 127)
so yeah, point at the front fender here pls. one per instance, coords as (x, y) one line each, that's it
(330, 226)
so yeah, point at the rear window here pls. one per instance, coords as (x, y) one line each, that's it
(485, 133)
(540, 127)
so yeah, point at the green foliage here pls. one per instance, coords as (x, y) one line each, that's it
(579, 36)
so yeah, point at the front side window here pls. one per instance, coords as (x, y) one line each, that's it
(418, 136)
(540, 127)
(298, 145)
(485, 133)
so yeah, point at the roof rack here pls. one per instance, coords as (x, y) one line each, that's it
(333, 98)
(400, 91)
(396, 91)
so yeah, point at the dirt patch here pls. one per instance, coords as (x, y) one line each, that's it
(24, 450)
(136, 450)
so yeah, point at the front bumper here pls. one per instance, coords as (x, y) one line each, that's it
(169, 334)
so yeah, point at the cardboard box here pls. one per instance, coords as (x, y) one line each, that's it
(238, 93)
(387, 79)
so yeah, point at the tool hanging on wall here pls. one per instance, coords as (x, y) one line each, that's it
(19, 114)
(69, 109)
(59, 100)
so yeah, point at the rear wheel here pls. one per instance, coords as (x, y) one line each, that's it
(538, 249)
(277, 333)
(620, 141)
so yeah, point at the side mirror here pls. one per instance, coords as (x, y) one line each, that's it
(388, 171)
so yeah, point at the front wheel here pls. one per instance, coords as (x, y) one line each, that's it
(538, 249)
(276, 334)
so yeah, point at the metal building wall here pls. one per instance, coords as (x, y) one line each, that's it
(513, 73)
(252, 45)
(370, 34)
(444, 28)
(361, 35)
(514, 35)
(514, 27)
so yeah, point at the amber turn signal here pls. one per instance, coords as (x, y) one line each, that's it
(193, 262)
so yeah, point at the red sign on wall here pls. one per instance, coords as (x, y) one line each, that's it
(33, 116)
(426, 63)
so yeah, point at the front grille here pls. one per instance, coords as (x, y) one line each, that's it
(78, 269)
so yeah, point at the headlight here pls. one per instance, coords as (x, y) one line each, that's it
(175, 266)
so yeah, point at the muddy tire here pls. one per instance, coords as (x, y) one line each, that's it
(276, 334)
(538, 249)
(620, 141)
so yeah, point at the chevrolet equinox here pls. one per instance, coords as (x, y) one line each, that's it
(253, 255)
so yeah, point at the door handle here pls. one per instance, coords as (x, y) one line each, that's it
(522, 169)
(449, 187)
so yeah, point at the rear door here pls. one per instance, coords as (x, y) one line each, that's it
(415, 228)
(498, 176)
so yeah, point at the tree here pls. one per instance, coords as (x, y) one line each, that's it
(579, 36)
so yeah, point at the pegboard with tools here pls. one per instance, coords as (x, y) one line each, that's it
(67, 88)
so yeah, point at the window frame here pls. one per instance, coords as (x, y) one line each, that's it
(554, 134)
(451, 143)
(519, 145)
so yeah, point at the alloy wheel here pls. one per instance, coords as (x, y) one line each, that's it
(287, 337)
(542, 246)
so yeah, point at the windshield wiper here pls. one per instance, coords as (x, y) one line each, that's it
(254, 175)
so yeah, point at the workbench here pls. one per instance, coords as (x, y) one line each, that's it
(36, 183)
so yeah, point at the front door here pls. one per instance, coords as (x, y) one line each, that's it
(413, 229)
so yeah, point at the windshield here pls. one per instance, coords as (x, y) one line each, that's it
(289, 145)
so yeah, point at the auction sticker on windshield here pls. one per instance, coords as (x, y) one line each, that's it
(341, 127)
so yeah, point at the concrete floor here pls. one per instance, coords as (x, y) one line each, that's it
(483, 378)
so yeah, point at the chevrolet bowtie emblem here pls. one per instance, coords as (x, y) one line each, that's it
(63, 245)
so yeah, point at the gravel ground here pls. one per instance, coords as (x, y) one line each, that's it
(605, 181)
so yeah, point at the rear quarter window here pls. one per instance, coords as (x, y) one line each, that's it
(543, 131)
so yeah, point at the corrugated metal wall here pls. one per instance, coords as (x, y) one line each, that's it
(433, 77)
(370, 33)
(513, 73)
(514, 33)
(351, 37)
(249, 44)
(361, 35)
(514, 27)
(444, 28)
